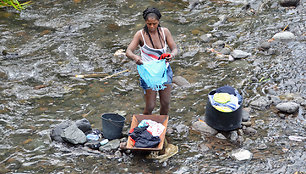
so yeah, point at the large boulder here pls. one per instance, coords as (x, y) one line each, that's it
(58, 130)
(73, 135)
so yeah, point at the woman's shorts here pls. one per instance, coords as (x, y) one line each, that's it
(169, 75)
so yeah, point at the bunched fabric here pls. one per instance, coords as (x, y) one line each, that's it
(154, 73)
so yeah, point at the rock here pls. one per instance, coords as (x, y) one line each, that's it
(239, 54)
(58, 130)
(282, 116)
(245, 115)
(250, 131)
(112, 145)
(264, 46)
(289, 3)
(226, 51)
(220, 136)
(84, 125)
(233, 136)
(204, 128)
(247, 123)
(73, 135)
(261, 103)
(288, 107)
(118, 154)
(241, 154)
(181, 128)
(180, 81)
(284, 36)
(275, 99)
(206, 37)
(93, 144)
(262, 147)
(240, 140)
(218, 44)
(203, 148)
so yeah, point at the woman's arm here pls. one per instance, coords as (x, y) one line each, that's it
(171, 43)
(132, 47)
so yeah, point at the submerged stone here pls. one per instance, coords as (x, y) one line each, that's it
(180, 81)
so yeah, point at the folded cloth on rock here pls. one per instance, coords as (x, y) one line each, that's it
(156, 129)
(143, 138)
(154, 73)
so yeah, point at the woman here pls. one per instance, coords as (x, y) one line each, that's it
(154, 41)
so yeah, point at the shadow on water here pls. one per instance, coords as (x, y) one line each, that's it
(51, 41)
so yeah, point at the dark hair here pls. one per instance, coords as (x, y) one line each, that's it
(152, 12)
(147, 13)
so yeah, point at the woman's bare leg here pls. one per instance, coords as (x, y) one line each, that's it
(164, 96)
(150, 99)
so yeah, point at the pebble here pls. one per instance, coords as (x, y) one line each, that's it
(241, 154)
(284, 36)
(262, 147)
(247, 123)
(250, 131)
(220, 136)
(239, 54)
(282, 116)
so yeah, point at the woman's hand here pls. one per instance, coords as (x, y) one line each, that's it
(138, 61)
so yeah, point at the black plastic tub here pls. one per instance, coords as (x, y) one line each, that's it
(223, 121)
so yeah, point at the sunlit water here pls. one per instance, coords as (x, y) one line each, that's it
(56, 40)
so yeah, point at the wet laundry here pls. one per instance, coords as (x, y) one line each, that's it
(141, 138)
(156, 129)
(225, 99)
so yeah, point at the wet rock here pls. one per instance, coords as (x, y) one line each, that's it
(245, 115)
(181, 128)
(206, 37)
(284, 36)
(93, 144)
(288, 107)
(204, 128)
(264, 46)
(240, 140)
(282, 116)
(73, 135)
(226, 51)
(112, 145)
(240, 132)
(218, 44)
(289, 3)
(250, 131)
(262, 146)
(118, 154)
(84, 125)
(180, 81)
(261, 103)
(239, 54)
(274, 99)
(220, 136)
(58, 130)
(241, 154)
(203, 148)
(271, 51)
(247, 123)
(233, 136)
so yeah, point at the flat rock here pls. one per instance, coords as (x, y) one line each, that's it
(180, 81)
(241, 154)
(112, 145)
(261, 103)
(284, 36)
(73, 135)
(288, 107)
(239, 54)
(204, 128)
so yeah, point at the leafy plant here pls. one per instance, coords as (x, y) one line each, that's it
(15, 3)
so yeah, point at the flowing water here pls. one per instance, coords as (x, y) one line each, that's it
(51, 41)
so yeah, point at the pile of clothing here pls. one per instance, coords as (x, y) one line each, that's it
(146, 134)
(225, 99)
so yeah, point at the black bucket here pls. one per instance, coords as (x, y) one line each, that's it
(112, 125)
(223, 121)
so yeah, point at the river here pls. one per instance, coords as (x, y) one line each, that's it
(48, 43)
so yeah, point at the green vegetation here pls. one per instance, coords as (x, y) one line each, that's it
(14, 3)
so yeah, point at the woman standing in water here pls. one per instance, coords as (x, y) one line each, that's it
(154, 41)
